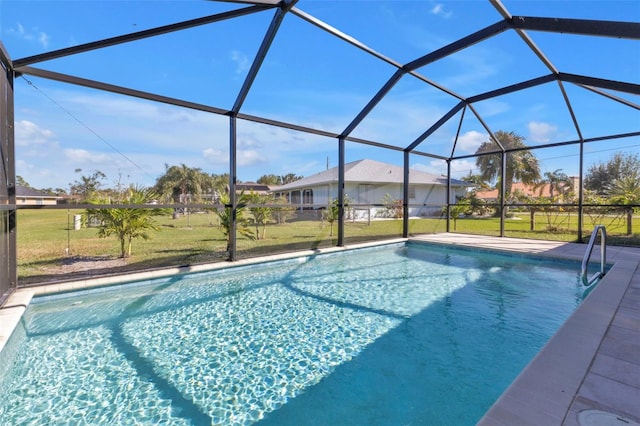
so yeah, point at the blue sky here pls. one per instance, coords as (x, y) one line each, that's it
(307, 78)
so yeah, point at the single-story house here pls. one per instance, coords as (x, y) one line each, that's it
(33, 197)
(530, 190)
(368, 184)
(253, 187)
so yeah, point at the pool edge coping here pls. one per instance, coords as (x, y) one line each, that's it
(549, 389)
(527, 400)
(18, 301)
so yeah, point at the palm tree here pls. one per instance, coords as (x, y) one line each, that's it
(262, 212)
(128, 223)
(181, 181)
(225, 218)
(627, 188)
(521, 164)
(626, 191)
(559, 183)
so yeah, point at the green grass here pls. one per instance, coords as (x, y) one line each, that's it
(44, 236)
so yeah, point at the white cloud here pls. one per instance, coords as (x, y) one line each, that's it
(439, 10)
(470, 141)
(83, 156)
(43, 38)
(541, 132)
(28, 133)
(216, 156)
(249, 158)
(244, 157)
(242, 62)
(32, 35)
(249, 142)
(435, 167)
(461, 168)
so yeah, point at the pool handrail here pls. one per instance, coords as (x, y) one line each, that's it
(587, 256)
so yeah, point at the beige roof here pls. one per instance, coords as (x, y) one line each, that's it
(370, 171)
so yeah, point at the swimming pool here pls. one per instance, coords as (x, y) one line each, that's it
(393, 335)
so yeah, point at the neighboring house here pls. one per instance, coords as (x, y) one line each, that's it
(530, 190)
(252, 187)
(368, 182)
(33, 197)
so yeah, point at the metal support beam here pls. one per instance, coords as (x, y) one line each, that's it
(8, 228)
(458, 45)
(551, 145)
(626, 30)
(79, 81)
(611, 96)
(580, 192)
(503, 189)
(512, 88)
(453, 111)
(341, 158)
(455, 141)
(524, 36)
(486, 127)
(567, 102)
(405, 197)
(448, 195)
(619, 86)
(97, 85)
(373, 102)
(233, 134)
(358, 44)
(86, 47)
(262, 53)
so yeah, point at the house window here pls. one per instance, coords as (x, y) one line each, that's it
(39, 201)
(412, 192)
(365, 193)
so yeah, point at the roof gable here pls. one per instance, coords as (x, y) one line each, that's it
(370, 171)
(23, 191)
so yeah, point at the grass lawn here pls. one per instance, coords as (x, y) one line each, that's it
(46, 238)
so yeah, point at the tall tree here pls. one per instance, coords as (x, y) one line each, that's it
(88, 187)
(600, 175)
(179, 182)
(558, 181)
(278, 180)
(520, 164)
(20, 181)
(477, 181)
(270, 180)
(289, 177)
(626, 191)
(220, 184)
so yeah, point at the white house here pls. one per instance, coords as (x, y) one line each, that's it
(368, 184)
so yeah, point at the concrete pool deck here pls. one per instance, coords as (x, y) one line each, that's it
(588, 374)
(589, 369)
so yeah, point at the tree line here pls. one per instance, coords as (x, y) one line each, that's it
(616, 181)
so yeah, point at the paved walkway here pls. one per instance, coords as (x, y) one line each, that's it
(589, 372)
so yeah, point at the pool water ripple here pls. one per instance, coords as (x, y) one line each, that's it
(390, 335)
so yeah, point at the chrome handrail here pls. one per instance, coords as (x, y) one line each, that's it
(587, 256)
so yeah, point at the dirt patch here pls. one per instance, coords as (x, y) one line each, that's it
(76, 267)
(86, 263)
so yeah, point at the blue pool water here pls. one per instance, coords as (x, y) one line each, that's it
(396, 335)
